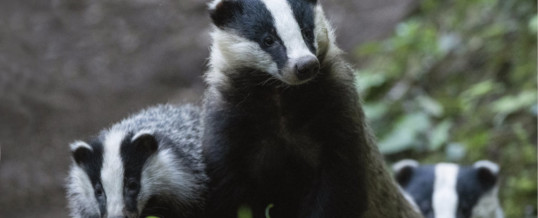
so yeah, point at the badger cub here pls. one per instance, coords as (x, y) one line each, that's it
(147, 164)
(447, 190)
(283, 124)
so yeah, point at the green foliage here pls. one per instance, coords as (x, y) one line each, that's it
(457, 82)
(267, 210)
(244, 212)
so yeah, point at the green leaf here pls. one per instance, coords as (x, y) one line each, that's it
(375, 111)
(511, 104)
(470, 97)
(478, 90)
(404, 135)
(244, 212)
(369, 79)
(455, 152)
(439, 135)
(430, 105)
(267, 210)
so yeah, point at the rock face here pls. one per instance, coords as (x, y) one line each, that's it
(70, 67)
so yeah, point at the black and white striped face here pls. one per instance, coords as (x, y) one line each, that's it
(107, 176)
(279, 37)
(448, 190)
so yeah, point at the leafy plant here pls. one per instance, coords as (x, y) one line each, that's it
(457, 82)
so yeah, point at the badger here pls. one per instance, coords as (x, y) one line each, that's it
(147, 164)
(284, 131)
(447, 190)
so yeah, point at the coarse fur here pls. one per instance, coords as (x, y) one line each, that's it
(447, 190)
(147, 164)
(272, 136)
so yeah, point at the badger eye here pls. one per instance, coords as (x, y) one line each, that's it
(98, 190)
(307, 34)
(132, 186)
(268, 41)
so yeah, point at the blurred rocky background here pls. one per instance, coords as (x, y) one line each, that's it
(69, 68)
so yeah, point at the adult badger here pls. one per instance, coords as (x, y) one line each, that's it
(148, 164)
(447, 190)
(283, 123)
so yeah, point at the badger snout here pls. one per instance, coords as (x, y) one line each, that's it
(306, 67)
(300, 70)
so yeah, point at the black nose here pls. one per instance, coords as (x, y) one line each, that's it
(306, 67)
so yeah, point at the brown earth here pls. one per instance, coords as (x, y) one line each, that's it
(69, 68)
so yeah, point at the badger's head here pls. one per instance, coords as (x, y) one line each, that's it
(448, 190)
(117, 174)
(286, 39)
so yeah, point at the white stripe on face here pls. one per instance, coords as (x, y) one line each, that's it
(287, 28)
(445, 196)
(112, 173)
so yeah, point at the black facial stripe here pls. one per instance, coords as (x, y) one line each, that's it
(258, 23)
(278, 52)
(469, 191)
(92, 166)
(133, 161)
(304, 15)
(252, 20)
(420, 187)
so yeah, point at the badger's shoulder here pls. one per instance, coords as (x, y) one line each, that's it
(165, 117)
(176, 127)
(181, 124)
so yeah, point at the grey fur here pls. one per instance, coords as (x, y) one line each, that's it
(177, 130)
(180, 125)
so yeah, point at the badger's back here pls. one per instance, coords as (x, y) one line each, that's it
(179, 126)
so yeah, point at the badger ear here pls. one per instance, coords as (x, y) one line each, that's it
(145, 142)
(223, 12)
(403, 171)
(81, 151)
(487, 172)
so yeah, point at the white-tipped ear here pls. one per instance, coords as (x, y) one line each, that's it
(141, 133)
(213, 4)
(79, 144)
(81, 152)
(404, 170)
(486, 164)
(223, 11)
(487, 173)
(145, 142)
(398, 166)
